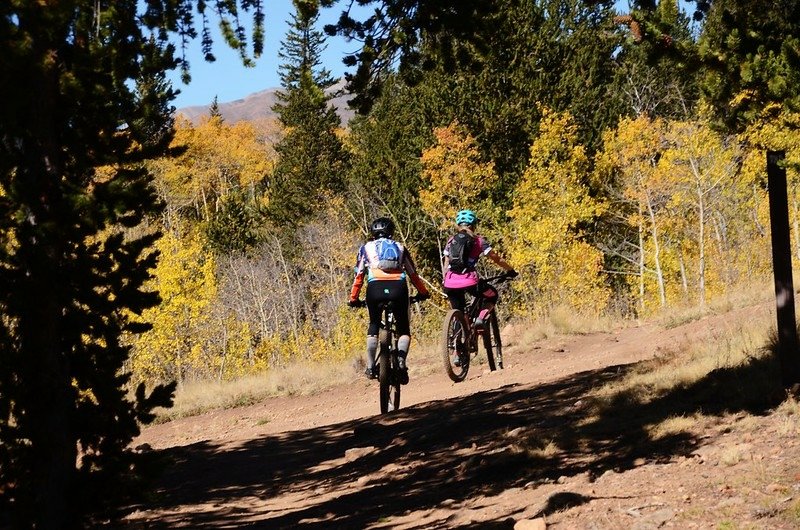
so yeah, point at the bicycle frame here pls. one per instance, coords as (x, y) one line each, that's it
(387, 359)
(460, 338)
(474, 307)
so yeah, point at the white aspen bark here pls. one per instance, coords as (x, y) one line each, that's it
(641, 261)
(684, 280)
(656, 251)
(701, 286)
(722, 248)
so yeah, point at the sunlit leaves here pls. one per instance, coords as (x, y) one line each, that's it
(185, 279)
(217, 160)
(454, 175)
(551, 207)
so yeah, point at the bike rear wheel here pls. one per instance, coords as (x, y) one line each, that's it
(455, 352)
(492, 343)
(388, 382)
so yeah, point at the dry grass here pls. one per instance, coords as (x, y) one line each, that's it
(675, 425)
(193, 398)
(753, 293)
(522, 332)
(689, 362)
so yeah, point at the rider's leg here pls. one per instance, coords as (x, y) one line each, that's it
(373, 300)
(403, 342)
(456, 297)
(372, 348)
(489, 296)
(403, 328)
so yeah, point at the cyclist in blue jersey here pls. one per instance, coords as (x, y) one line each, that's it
(385, 263)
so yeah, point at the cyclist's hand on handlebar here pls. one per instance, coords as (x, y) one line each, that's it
(418, 298)
(511, 274)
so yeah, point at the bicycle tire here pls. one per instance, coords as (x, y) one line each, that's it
(455, 345)
(389, 387)
(492, 343)
(394, 384)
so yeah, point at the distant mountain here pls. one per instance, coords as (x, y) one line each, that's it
(258, 106)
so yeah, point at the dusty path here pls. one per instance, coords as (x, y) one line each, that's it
(478, 454)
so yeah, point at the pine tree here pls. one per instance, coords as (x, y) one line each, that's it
(312, 160)
(558, 53)
(213, 110)
(87, 101)
(393, 34)
(752, 59)
(648, 80)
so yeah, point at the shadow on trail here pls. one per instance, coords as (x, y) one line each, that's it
(355, 474)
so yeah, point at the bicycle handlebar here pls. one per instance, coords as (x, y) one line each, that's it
(412, 299)
(504, 277)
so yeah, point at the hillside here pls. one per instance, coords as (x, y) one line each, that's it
(258, 106)
(565, 437)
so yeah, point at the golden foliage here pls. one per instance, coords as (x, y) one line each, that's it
(551, 202)
(184, 277)
(218, 159)
(455, 176)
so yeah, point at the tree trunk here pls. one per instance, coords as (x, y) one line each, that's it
(641, 263)
(656, 252)
(782, 267)
(701, 245)
(46, 377)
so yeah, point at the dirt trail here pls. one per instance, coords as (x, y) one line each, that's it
(499, 448)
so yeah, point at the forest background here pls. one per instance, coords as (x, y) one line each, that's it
(616, 160)
(601, 173)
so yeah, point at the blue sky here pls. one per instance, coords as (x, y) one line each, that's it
(228, 80)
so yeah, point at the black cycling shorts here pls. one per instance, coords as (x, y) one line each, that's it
(383, 291)
(458, 296)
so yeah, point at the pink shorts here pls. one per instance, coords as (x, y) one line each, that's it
(460, 281)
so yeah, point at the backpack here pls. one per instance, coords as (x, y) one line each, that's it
(389, 254)
(460, 250)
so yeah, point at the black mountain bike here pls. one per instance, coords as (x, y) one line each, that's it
(460, 337)
(386, 358)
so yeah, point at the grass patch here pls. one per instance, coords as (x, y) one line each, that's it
(683, 314)
(686, 389)
(688, 363)
(675, 425)
(196, 397)
(792, 513)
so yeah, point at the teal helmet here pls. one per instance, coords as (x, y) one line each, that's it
(466, 217)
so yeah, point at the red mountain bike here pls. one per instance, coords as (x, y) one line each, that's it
(460, 336)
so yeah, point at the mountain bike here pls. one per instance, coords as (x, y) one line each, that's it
(460, 336)
(386, 359)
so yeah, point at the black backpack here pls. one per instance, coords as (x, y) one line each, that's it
(460, 250)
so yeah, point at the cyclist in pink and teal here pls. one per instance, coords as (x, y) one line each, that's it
(462, 253)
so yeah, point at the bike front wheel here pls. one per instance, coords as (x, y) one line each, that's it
(455, 352)
(389, 383)
(492, 343)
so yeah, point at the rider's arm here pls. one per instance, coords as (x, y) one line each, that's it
(495, 257)
(358, 281)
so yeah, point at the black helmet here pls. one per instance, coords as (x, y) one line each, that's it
(382, 227)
